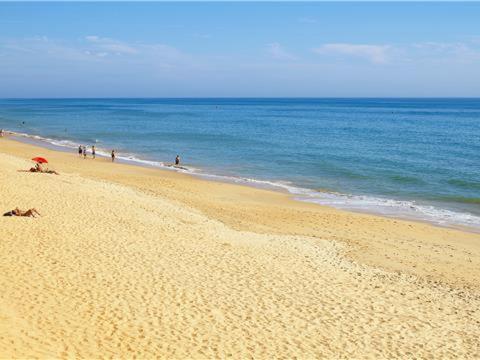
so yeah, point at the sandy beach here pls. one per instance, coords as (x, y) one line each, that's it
(132, 262)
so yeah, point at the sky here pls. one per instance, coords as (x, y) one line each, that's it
(239, 49)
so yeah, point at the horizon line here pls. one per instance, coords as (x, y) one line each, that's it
(238, 97)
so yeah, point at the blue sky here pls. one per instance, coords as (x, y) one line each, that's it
(239, 49)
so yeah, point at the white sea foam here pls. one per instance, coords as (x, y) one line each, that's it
(404, 209)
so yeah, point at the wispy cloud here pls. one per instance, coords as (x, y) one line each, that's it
(90, 48)
(421, 52)
(143, 52)
(111, 45)
(38, 47)
(377, 54)
(202, 36)
(475, 40)
(276, 51)
(464, 51)
(307, 20)
(442, 47)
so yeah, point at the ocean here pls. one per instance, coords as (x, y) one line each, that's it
(405, 158)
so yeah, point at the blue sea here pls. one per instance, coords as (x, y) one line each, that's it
(405, 158)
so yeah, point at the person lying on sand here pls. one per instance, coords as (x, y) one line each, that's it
(17, 212)
(38, 168)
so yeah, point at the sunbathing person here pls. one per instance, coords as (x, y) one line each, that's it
(39, 168)
(17, 212)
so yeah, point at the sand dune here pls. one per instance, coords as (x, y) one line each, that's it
(130, 262)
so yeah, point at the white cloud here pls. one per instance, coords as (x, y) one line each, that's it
(41, 47)
(377, 54)
(422, 52)
(276, 51)
(94, 50)
(111, 45)
(160, 53)
(462, 52)
(92, 38)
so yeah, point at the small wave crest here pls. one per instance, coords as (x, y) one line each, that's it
(471, 185)
(407, 179)
(460, 199)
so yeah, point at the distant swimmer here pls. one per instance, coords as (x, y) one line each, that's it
(80, 150)
(113, 155)
(93, 152)
(177, 160)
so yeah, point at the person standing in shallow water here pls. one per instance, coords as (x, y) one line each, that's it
(177, 160)
(84, 152)
(113, 155)
(93, 152)
(80, 150)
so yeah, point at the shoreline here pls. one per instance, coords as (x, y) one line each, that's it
(345, 202)
(128, 261)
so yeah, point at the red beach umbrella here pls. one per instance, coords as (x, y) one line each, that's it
(40, 160)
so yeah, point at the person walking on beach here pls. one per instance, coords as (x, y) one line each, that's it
(177, 160)
(84, 152)
(93, 151)
(113, 155)
(80, 150)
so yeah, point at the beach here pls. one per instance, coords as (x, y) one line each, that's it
(136, 262)
(389, 157)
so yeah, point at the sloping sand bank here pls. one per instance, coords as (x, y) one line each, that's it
(128, 261)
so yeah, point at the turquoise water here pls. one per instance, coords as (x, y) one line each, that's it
(414, 158)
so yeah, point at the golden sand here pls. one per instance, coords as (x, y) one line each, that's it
(136, 262)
